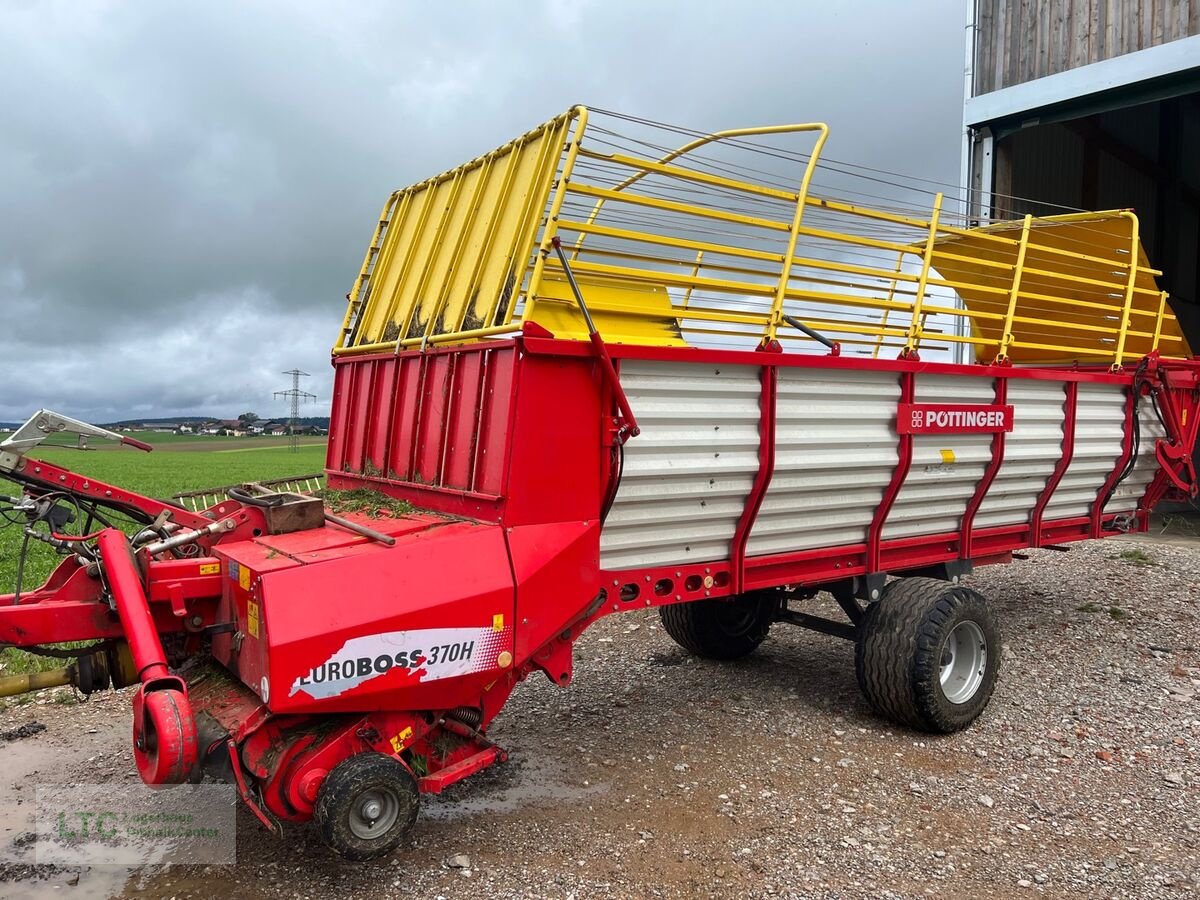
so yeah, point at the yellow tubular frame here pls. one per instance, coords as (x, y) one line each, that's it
(467, 252)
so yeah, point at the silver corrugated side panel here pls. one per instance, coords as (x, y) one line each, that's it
(946, 468)
(687, 475)
(1099, 434)
(1031, 451)
(835, 453)
(1125, 498)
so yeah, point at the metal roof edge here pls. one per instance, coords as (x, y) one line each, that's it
(1167, 59)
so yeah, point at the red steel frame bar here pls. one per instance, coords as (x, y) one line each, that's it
(762, 480)
(905, 445)
(1126, 452)
(62, 479)
(989, 475)
(1060, 468)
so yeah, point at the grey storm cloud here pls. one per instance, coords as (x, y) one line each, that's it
(186, 190)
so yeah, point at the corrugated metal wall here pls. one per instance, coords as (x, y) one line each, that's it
(1125, 497)
(1031, 451)
(687, 475)
(835, 452)
(1099, 436)
(945, 467)
(1020, 40)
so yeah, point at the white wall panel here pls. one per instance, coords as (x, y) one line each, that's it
(687, 475)
(1031, 451)
(1099, 433)
(946, 468)
(835, 452)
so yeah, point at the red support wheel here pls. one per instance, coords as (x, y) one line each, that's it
(164, 736)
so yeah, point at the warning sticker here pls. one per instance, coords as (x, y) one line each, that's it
(430, 653)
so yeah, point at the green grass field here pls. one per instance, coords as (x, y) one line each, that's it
(178, 463)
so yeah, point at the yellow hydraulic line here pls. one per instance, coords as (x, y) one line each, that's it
(550, 231)
(1006, 337)
(914, 327)
(1135, 245)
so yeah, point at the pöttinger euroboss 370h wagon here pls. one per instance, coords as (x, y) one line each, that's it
(612, 366)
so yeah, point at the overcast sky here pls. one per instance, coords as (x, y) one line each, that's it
(186, 190)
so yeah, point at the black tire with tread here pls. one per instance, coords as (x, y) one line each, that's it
(349, 779)
(898, 653)
(721, 629)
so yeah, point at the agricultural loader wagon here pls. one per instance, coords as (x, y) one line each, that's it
(614, 365)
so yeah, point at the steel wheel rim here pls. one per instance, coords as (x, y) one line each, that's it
(373, 813)
(738, 617)
(964, 662)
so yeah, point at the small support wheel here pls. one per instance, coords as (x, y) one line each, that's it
(165, 748)
(721, 629)
(928, 654)
(366, 806)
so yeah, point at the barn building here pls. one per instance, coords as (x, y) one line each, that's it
(1091, 104)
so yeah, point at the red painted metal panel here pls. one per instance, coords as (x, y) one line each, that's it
(554, 473)
(462, 432)
(339, 418)
(404, 416)
(495, 418)
(359, 403)
(431, 431)
(379, 416)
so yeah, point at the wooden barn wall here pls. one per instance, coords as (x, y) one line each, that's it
(1020, 40)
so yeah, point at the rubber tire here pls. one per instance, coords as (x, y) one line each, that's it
(898, 653)
(340, 789)
(721, 629)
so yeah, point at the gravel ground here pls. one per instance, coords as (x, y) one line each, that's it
(657, 775)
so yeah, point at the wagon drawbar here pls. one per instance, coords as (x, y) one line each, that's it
(615, 365)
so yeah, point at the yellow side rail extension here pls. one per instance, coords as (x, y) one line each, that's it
(679, 237)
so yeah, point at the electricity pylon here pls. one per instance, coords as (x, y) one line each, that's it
(296, 396)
